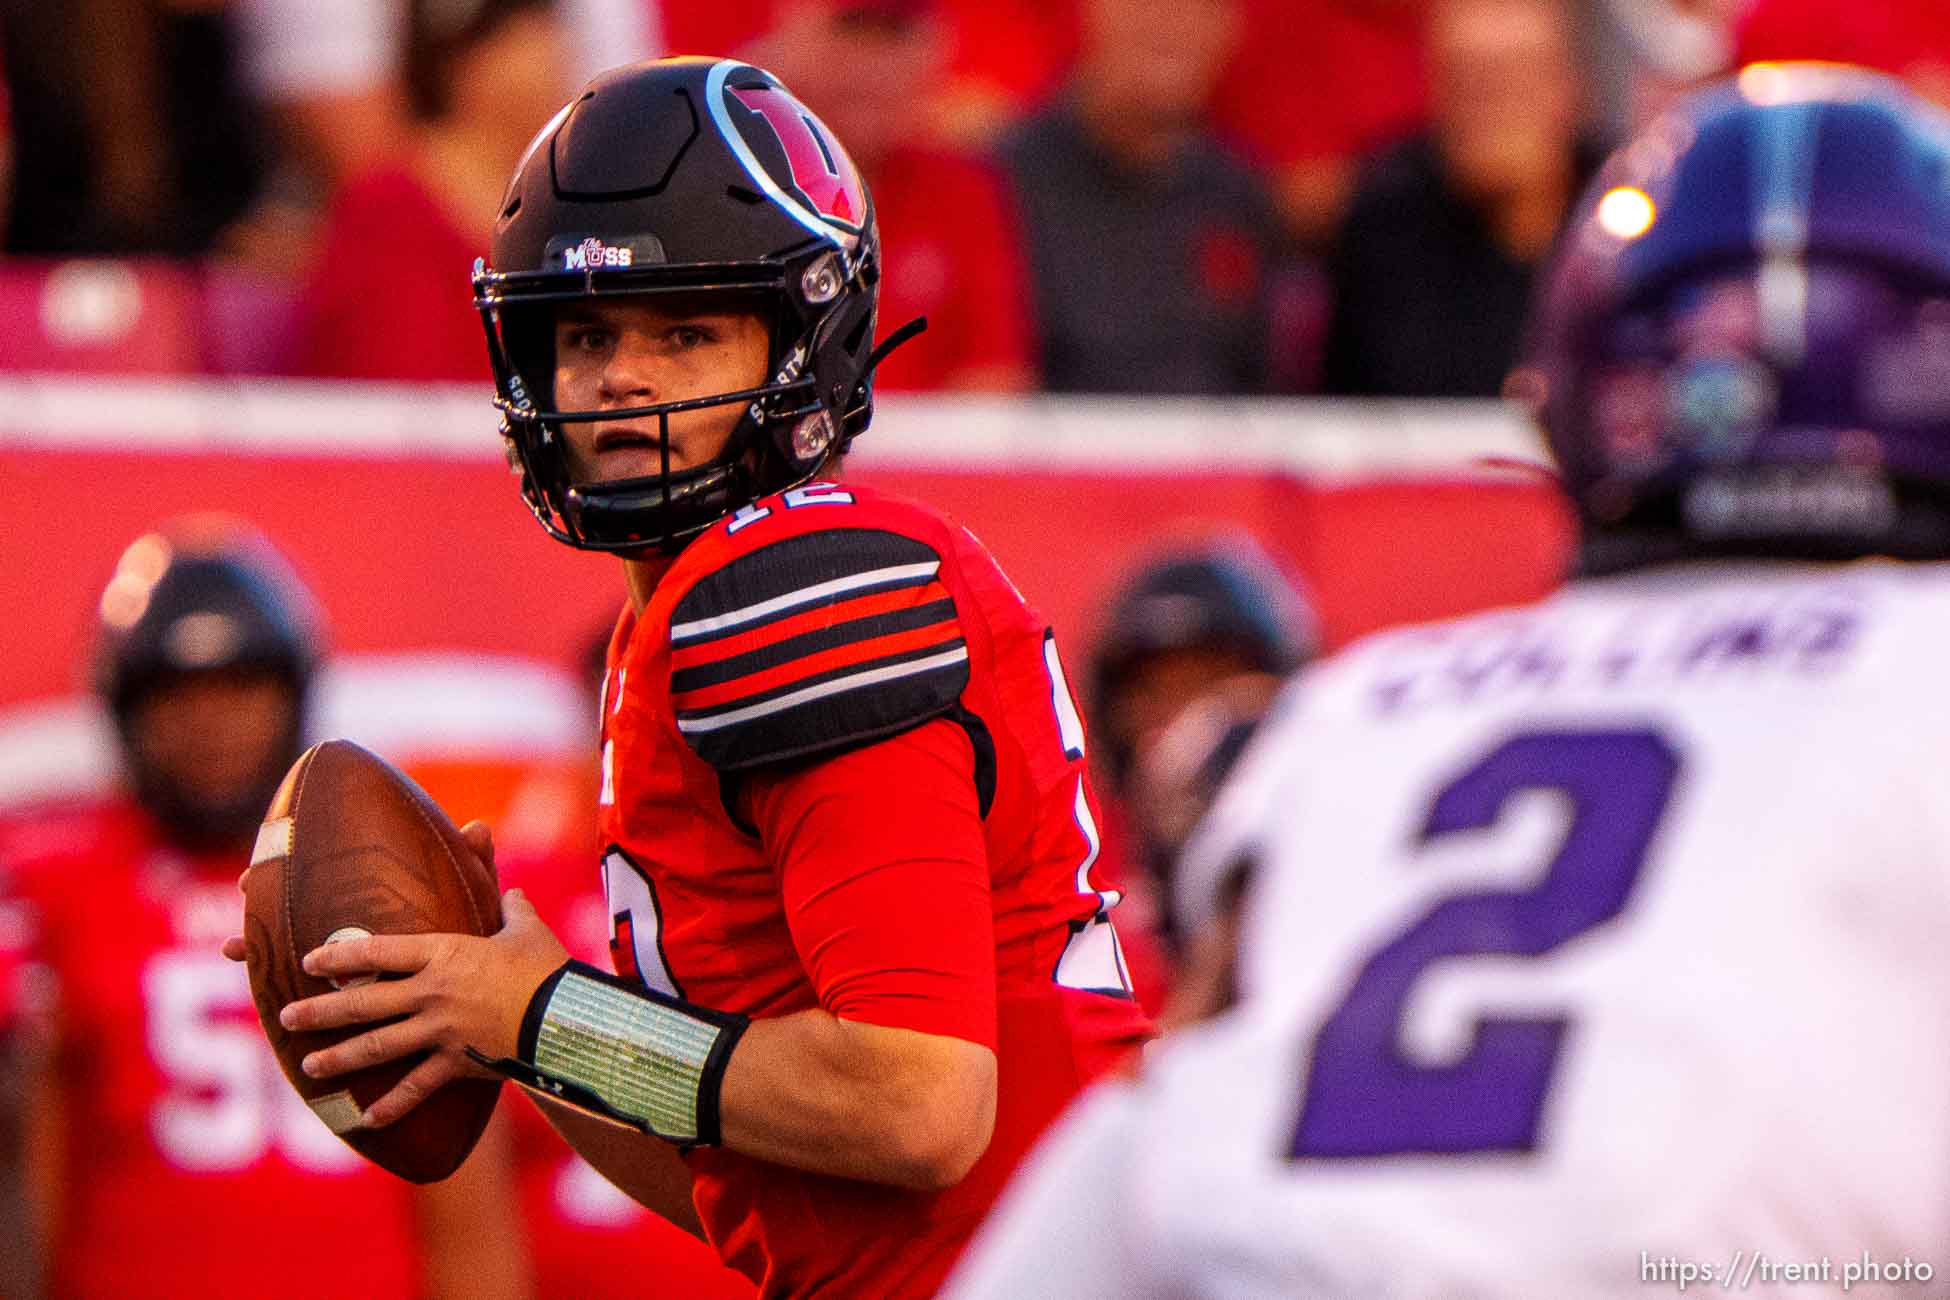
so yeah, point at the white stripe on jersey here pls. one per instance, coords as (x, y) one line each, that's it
(682, 632)
(872, 677)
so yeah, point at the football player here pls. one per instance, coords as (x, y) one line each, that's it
(170, 1156)
(1598, 945)
(860, 959)
(1191, 652)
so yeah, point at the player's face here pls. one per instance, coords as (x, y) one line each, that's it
(214, 733)
(1161, 684)
(639, 352)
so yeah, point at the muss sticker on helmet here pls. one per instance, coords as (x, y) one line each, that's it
(821, 171)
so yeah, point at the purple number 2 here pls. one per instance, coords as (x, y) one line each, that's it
(1363, 1098)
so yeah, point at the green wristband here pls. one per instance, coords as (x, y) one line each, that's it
(648, 1057)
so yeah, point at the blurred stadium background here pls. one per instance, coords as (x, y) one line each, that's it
(1191, 266)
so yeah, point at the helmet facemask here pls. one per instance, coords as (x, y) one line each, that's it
(787, 432)
(699, 177)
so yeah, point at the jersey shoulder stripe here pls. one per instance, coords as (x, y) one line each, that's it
(812, 643)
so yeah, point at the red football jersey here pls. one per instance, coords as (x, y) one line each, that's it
(586, 1237)
(192, 1168)
(850, 633)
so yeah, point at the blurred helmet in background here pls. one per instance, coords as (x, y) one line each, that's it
(1182, 625)
(1743, 345)
(206, 653)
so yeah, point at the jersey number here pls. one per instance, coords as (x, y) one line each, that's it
(1363, 1097)
(1092, 959)
(636, 947)
(226, 1105)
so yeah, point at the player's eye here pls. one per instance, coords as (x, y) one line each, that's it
(587, 338)
(690, 336)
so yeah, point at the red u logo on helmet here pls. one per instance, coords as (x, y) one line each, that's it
(821, 171)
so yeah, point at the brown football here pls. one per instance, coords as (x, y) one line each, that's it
(351, 845)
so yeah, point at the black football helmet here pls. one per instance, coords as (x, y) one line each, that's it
(1226, 593)
(684, 176)
(203, 596)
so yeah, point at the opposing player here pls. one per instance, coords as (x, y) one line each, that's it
(1597, 945)
(171, 1157)
(861, 959)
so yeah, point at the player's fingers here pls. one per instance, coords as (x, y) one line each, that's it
(356, 1006)
(401, 954)
(480, 839)
(233, 948)
(376, 1047)
(425, 1079)
(517, 912)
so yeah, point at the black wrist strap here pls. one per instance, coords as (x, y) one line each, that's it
(624, 1053)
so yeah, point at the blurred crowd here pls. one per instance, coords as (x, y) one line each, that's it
(1141, 196)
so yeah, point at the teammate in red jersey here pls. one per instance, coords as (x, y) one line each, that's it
(863, 961)
(171, 1157)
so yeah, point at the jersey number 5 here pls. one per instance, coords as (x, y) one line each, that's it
(1363, 1097)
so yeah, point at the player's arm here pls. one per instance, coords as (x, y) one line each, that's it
(892, 1079)
(884, 873)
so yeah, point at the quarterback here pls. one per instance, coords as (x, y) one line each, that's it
(1587, 938)
(859, 957)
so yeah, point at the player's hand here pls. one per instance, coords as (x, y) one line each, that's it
(479, 838)
(458, 991)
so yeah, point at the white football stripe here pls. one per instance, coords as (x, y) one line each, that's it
(340, 1113)
(682, 632)
(821, 691)
(273, 841)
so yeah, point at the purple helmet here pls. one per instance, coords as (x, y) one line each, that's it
(1743, 345)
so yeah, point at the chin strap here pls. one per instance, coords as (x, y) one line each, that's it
(916, 326)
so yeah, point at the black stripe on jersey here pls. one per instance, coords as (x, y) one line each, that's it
(842, 720)
(809, 643)
(946, 644)
(779, 570)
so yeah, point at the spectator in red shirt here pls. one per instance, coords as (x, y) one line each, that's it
(949, 229)
(401, 232)
(1313, 86)
(1008, 57)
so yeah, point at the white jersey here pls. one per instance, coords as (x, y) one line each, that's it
(1591, 949)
